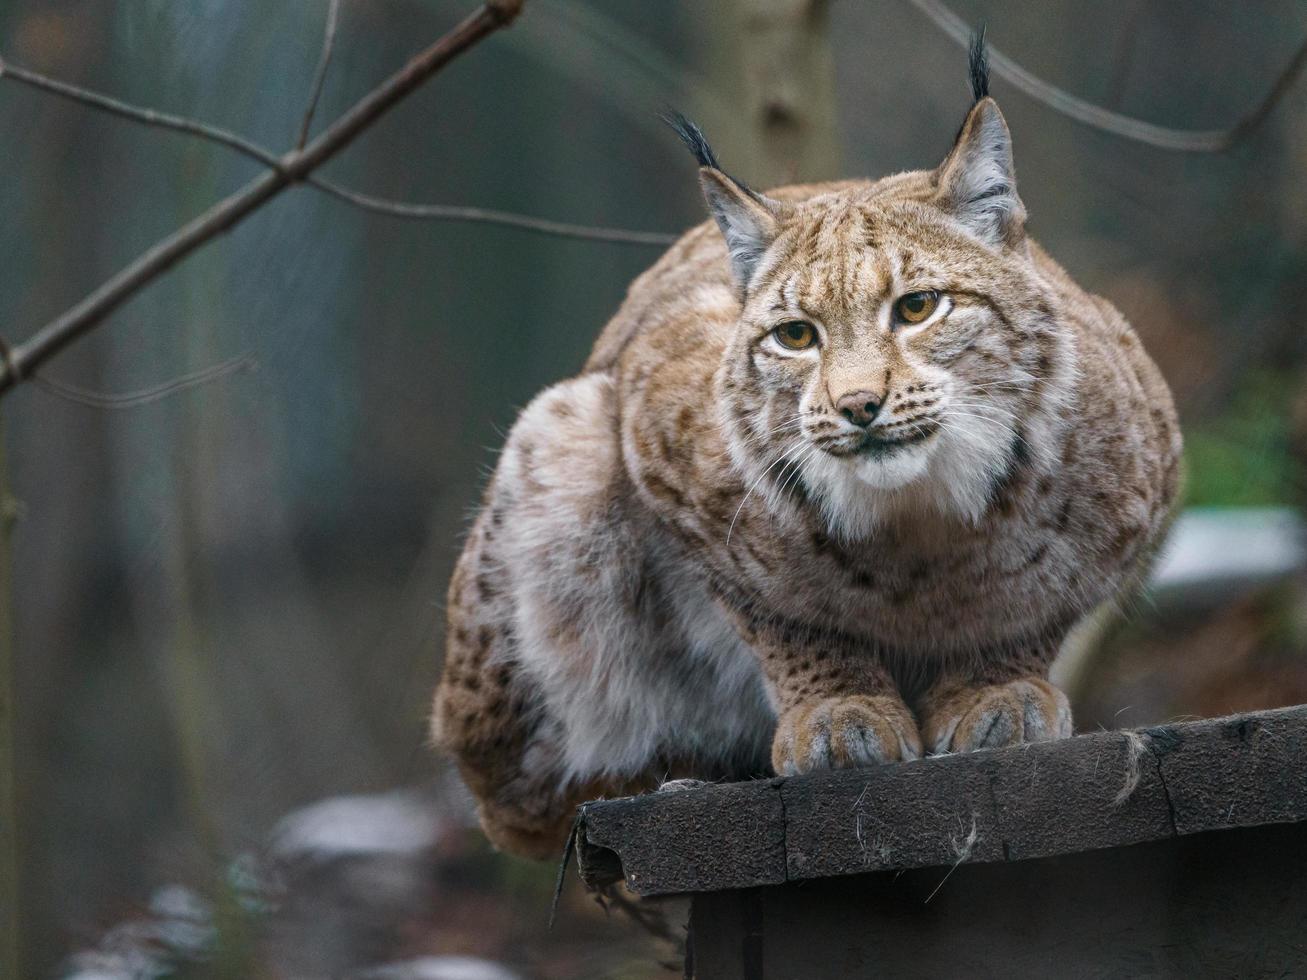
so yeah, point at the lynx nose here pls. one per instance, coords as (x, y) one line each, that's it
(859, 407)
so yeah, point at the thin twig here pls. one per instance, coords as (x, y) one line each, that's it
(150, 117)
(143, 396)
(320, 74)
(11, 885)
(451, 212)
(396, 209)
(295, 166)
(1162, 137)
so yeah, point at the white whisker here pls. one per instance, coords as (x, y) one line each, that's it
(753, 486)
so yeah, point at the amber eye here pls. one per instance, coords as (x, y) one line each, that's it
(795, 335)
(916, 307)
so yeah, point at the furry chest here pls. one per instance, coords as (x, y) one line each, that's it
(981, 589)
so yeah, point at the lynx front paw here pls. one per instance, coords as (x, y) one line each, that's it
(969, 718)
(838, 733)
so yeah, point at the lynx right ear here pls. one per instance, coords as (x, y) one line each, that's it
(977, 182)
(748, 220)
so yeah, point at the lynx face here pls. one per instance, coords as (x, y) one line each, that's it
(890, 336)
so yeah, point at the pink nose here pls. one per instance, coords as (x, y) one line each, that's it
(859, 407)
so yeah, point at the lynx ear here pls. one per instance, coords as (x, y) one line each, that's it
(747, 219)
(977, 183)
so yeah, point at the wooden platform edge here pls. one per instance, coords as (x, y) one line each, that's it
(1093, 791)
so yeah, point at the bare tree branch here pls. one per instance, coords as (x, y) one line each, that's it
(28, 356)
(398, 209)
(320, 74)
(144, 396)
(1162, 137)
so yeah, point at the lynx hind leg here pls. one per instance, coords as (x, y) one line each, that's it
(495, 711)
(486, 720)
(484, 716)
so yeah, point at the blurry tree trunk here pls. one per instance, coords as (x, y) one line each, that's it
(9, 890)
(772, 60)
(1291, 195)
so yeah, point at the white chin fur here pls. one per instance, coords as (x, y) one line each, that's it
(953, 473)
(895, 470)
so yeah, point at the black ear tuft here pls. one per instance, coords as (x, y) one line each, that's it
(692, 136)
(979, 65)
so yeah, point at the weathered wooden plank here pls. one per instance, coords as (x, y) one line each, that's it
(1235, 772)
(906, 816)
(1103, 790)
(716, 836)
(1094, 791)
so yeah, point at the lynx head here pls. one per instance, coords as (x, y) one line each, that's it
(894, 350)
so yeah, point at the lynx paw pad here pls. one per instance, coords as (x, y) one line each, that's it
(1027, 710)
(840, 733)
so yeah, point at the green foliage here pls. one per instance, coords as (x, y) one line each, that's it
(1242, 457)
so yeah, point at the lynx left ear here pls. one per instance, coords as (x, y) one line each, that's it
(977, 183)
(746, 218)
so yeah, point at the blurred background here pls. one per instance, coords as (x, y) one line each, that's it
(227, 603)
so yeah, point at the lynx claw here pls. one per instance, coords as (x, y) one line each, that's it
(839, 733)
(1026, 710)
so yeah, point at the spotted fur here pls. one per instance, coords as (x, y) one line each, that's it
(691, 562)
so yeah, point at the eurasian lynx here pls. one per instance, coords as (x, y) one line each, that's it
(831, 489)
